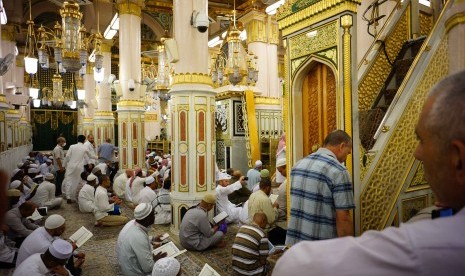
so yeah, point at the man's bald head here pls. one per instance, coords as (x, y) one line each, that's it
(260, 219)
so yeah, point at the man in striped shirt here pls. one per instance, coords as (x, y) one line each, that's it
(250, 248)
(321, 193)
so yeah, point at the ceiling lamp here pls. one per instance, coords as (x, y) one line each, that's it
(233, 64)
(71, 36)
(30, 61)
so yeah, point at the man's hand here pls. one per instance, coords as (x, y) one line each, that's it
(215, 228)
(242, 180)
(59, 270)
(159, 256)
(157, 238)
(73, 244)
(276, 204)
(80, 255)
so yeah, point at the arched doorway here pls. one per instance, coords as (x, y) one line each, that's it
(318, 106)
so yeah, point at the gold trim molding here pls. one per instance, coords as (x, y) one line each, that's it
(12, 111)
(127, 7)
(2, 98)
(192, 78)
(325, 38)
(134, 103)
(228, 95)
(103, 113)
(455, 20)
(267, 101)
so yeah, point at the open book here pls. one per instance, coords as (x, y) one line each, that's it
(81, 236)
(35, 216)
(221, 216)
(273, 198)
(170, 249)
(273, 248)
(208, 271)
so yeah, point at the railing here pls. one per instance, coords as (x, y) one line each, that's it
(11, 157)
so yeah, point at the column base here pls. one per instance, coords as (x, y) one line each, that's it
(180, 203)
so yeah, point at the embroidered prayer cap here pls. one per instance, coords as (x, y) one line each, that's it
(168, 266)
(149, 180)
(91, 177)
(258, 163)
(209, 198)
(54, 221)
(264, 173)
(223, 176)
(280, 162)
(142, 211)
(13, 193)
(15, 184)
(61, 249)
(49, 176)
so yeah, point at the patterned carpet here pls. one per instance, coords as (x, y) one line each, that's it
(100, 249)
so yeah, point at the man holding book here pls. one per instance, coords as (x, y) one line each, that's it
(224, 189)
(134, 249)
(195, 232)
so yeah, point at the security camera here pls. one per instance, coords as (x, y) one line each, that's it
(200, 21)
(131, 85)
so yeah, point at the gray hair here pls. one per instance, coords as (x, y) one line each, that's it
(336, 138)
(446, 119)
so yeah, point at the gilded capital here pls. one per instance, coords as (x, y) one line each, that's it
(133, 7)
(346, 21)
(106, 46)
(8, 33)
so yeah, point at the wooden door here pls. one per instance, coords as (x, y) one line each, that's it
(318, 107)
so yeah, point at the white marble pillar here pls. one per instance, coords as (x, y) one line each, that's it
(3, 108)
(131, 105)
(192, 114)
(89, 110)
(104, 122)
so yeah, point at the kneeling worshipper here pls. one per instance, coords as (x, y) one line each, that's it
(52, 262)
(263, 174)
(147, 195)
(162, 204)
(222, 191)
(86, 198)
(20, 226)
(45, 193)
(134, 248)
(119, 184)
(167, 266)
(195, 232)
(106, 210)
(41, 239)
(251, 247)
(19, 186)
(135, 180)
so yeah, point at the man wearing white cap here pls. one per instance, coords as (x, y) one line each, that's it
(222, 191)
(195, 232)
(51, 262)
(254, 175)
(133, 248)
(168, 266)
(86, 196)
(46, 167)
(45, 194)
(282, 194)
(106, 210)
(18, 185)
(147, 195)
(20, 226)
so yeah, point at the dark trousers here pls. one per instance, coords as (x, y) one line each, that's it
(277, 236)
(58, 181)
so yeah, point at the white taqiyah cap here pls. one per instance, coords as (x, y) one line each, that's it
(35, 166)
(49, 176)
(15, 184)
(168, 266)
(223, 176)
(149, 180)
(54, 221)
(91, 177)
(19, 165)
(38, 176)
(258, 163)
(281, 162)
(142, 211)
(61, 249)
(32, 170)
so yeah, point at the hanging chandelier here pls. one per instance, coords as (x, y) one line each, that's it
(234, 65)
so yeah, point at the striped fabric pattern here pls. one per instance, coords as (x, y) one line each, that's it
(249, 250)
(320, 185)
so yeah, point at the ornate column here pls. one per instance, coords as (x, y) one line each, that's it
(131, 106)
(12, 119)
(192, 115)
(262, 40)
(3, 108)
(89, 86)
(104, 122)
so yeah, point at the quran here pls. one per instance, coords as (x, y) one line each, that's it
(221, 216)
(81, 236)
(170, 249)
(273, 198)
(35, 216)
(207, 270)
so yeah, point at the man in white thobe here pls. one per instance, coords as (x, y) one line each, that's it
(105, 212)
(45, 194)
(119, 184)
(89, 144)
(86, 196)
(148, 195)
(133, 248)
(46, 167)
(222, 202)
(74, 167)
